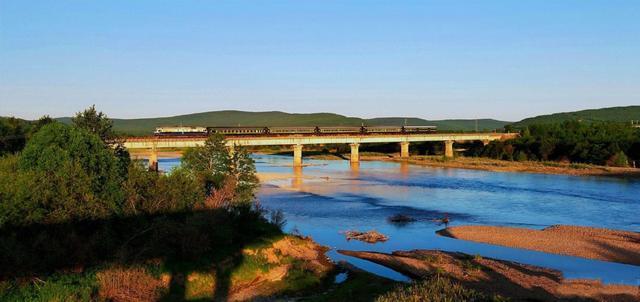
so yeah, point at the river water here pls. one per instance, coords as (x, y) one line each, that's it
(328, 197)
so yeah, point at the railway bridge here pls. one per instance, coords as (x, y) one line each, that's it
(297, 141)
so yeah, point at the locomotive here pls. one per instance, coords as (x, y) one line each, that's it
(180, 130)
(317, 130)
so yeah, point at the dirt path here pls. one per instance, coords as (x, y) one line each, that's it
(586, 242)
(516, 281)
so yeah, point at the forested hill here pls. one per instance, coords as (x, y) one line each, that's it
(276, 118)
(611, 114)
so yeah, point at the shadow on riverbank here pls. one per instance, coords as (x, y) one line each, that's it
(166, 249)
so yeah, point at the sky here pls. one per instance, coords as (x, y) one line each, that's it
(431, 59)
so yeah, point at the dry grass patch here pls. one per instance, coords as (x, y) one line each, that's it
(200, 285)
(130, 285)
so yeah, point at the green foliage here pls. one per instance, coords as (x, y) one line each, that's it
(57, 288)
(434, 289)
(56, 145)
(72, 198)
(41, 122)
(67, 173)
(95, 122)
(244, 169)
(594, 143)
(149, 193)
(13, 135)
(216, 169)
(63, 173)
(359, 286)
(619, 160)
(210, 163)
(99, 124)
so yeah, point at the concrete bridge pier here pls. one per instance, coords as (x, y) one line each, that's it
(354, 157)
(297, 155)
(153, 160)
(404, 149)
(448, 149)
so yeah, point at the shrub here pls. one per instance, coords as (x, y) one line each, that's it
(619, 160)
(148, 192)
(56, 145)
(63, 173)
(521, 156)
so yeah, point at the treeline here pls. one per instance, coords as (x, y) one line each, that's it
(601, 143)
(52, 173)
(15, 132)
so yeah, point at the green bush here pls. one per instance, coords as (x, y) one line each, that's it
(56, 145)
(12, 135)
(619, 160)
(63, 173)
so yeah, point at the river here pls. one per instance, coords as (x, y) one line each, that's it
(328, 197)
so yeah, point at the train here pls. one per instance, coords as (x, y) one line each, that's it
(317, 130)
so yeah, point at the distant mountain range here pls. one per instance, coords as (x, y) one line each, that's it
(611, 114)
(276, 118)
(145, 126)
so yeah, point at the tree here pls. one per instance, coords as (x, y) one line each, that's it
(244, 170)
(95, 122)
(41, 122)
(210, 163)
(99, 124)
(13, 135)
(225, 178)
(66, 172)
(594, 142)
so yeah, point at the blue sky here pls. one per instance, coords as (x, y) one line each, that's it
(431, 59)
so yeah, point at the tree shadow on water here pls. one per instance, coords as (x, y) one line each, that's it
(206, 242)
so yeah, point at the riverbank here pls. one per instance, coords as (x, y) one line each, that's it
(479, 163)
(492, 277)
(273, 266)
(487, 164)
(586, 242)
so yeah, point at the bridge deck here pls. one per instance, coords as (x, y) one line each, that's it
(301, 139)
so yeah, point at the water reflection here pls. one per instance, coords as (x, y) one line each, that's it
(404, 169)
(355, 169)
(297, 179)
(337, 196)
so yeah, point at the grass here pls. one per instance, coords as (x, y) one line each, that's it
(59, 287)
(130, 283)
(250, 267)
(359, 286)
(200, 285)
(300, 279)
(434, 289)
